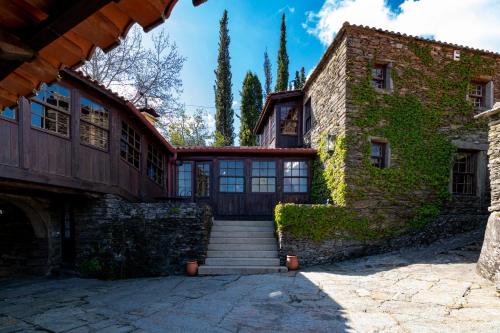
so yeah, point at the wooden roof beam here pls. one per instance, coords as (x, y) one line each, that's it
(12, 48)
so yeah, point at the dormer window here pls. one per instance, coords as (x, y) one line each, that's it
(289, 120)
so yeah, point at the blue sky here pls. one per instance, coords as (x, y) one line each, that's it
(311, 25)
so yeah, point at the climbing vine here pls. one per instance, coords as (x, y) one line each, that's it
(419, 118)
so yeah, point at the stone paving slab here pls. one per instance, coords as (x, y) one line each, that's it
(426, 289)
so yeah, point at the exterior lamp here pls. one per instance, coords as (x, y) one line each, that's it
(330, 143)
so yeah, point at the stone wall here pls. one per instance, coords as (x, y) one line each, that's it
(117, 239)
(489, 261)
(452, 221)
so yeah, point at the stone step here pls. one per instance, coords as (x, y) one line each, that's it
(242, 254)
(240, 270)
(233, 228)
(242, 247)
(243, 240)
(248, 223)
(243, 234)
(242, 261)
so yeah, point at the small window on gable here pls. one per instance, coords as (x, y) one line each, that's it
(307, 116)
(379, 154)
(379, 76)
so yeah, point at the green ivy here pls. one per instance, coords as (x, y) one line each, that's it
(412, 119)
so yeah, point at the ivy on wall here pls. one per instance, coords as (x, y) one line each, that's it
(415, 118)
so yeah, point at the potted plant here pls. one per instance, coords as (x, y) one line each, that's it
(192, 267)
(292, 262)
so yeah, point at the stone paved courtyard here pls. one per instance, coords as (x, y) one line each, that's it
(431, 289)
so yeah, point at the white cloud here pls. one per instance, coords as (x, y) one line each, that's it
(466, 22)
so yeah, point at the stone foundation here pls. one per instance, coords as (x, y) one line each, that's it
(449, 223)
(119, 239)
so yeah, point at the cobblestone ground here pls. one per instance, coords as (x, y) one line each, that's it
(431, 289)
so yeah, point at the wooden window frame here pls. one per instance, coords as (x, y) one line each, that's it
(292, 177)
(259, 176)
(469, 176)
(289, 107)
(473, 96)
(55, 108)
(377, 80)
(95, 125)
(384, 158)
(129, 146)
(209, 185)
(178, 179)
(231, 176)
(155, 165)
(272, 128)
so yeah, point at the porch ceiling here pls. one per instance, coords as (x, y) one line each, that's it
(40, 37)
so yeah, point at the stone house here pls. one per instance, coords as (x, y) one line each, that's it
(392, 118)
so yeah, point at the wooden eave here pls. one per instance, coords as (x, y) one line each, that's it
(271, 99)
(39, 38)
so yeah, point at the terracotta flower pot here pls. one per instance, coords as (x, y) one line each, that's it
(292, 262)
(192, 268)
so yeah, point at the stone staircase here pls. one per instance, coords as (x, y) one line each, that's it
(242, 247)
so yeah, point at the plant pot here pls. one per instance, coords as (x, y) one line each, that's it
(192, 268)
(292, 262)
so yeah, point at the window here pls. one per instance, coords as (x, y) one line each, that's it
(379, 76)
(295, 177)
(232, 177)
(464, 174)
(477, 94)
(94, 124)
(263, 176)
(50, 109)
(155, 164)
(203, 179)
(265, 134)
(289, 123)
(378, 154)
(130, 146)
(307, 116)
(10, 113)
(184, 174)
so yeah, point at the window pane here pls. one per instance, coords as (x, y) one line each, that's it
(130, 146)
(289, 117)
(184, 180)
(202, 179)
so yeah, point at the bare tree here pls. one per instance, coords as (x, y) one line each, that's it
(142, 74)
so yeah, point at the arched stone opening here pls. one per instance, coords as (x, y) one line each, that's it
(24, 246)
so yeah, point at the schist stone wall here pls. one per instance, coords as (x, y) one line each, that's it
(489, 261)
(118, 239)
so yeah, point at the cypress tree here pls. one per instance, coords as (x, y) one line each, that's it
(267, 73)
(251, 106)
(282, 76)
(224, 132)
(302, 77)
(296, 81)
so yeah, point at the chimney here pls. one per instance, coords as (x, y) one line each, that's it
(150, 114)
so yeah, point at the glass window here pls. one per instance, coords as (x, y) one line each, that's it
(155, 164)
(231, 176)
(130, 145)
(184, 184)
(378, 76)
(9, 113)
(94, 124)
(289, 117)
(378, 154)
(50, 109)
(272, 129)
(295, 176)
(203, 179)
(464, 174)
(477, 93)
(264, 176)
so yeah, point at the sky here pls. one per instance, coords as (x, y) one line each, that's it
(254, 25)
